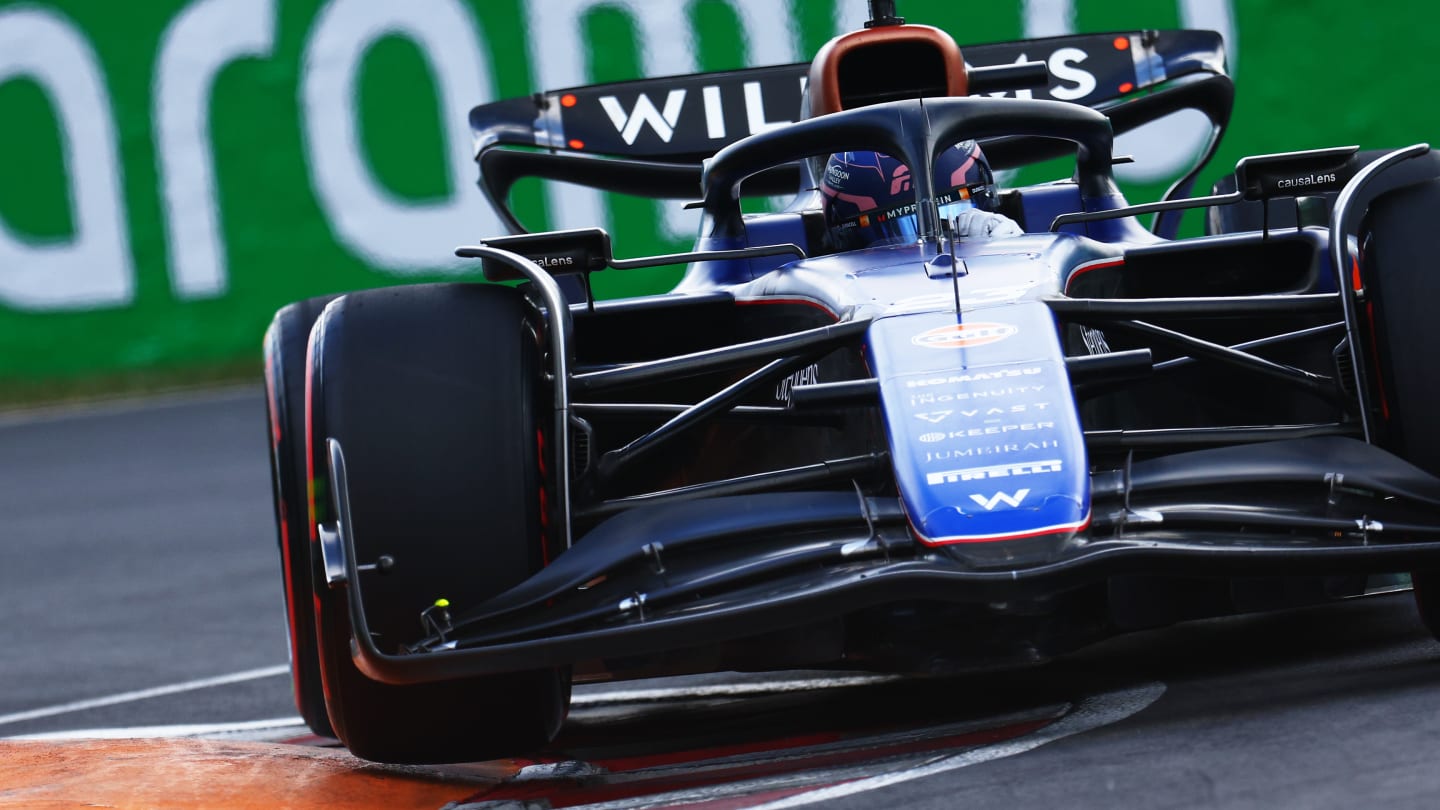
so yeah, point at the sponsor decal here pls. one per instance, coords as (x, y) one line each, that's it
(554, 261)
(1095, 341)
(992, 412)
(929, 398)
(1008, 448)
(995, 500)
(629, 123)
(978, 376)
(900, 183)
(1305, 180)
(805, 376)
(931, 438)
(933, 417)
(964, 335)
(672, 117)
(988, 430)
(994, 471)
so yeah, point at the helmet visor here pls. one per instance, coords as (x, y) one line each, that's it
(900, 224)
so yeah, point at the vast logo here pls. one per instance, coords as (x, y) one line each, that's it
(964, 335)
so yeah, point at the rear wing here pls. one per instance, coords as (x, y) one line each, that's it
(661, 129)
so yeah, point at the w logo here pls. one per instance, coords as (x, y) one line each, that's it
(1000, 497)
(901, 181)
(629, 124)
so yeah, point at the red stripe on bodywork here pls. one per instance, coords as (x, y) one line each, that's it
(751, 302)
(1098, 264)
(1374, 343)
(999, 538)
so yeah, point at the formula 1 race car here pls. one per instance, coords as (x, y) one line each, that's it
(870, 438)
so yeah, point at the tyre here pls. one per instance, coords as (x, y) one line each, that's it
(1402, 280)
(431, 391)
(285, 343)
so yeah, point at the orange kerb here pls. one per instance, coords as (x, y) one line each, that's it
(185, 774)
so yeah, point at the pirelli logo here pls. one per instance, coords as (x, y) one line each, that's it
(994, 471)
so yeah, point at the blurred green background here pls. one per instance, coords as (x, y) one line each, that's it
(173, 172)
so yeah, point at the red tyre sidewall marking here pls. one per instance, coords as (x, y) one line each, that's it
(272, 406)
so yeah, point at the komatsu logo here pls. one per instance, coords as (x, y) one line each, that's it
(978, 376)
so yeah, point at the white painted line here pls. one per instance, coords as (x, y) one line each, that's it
(278, 729)
(1090, 714)
(144, 694)
(121, 404)
(722, 690)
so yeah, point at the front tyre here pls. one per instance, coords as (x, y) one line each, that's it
(431, 391)
(1401, 276)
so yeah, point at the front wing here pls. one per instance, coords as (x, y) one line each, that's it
(675, 575)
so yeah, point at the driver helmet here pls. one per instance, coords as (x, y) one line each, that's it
(869, 199)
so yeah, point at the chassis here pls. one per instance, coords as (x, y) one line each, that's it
(933, 457)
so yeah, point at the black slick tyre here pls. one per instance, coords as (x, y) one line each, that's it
(1402, 276)
(431, 391)
(285, 350)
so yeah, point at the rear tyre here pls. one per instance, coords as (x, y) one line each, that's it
(285, 343)
(1403, 280)
(431, 391)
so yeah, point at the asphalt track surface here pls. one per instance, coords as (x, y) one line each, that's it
(139, 588)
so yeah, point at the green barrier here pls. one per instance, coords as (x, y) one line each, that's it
(172, 172)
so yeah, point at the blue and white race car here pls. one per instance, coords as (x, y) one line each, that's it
(910, 423)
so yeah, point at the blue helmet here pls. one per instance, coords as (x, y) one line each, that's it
(869, 198)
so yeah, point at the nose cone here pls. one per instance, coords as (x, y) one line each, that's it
(988, 451)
